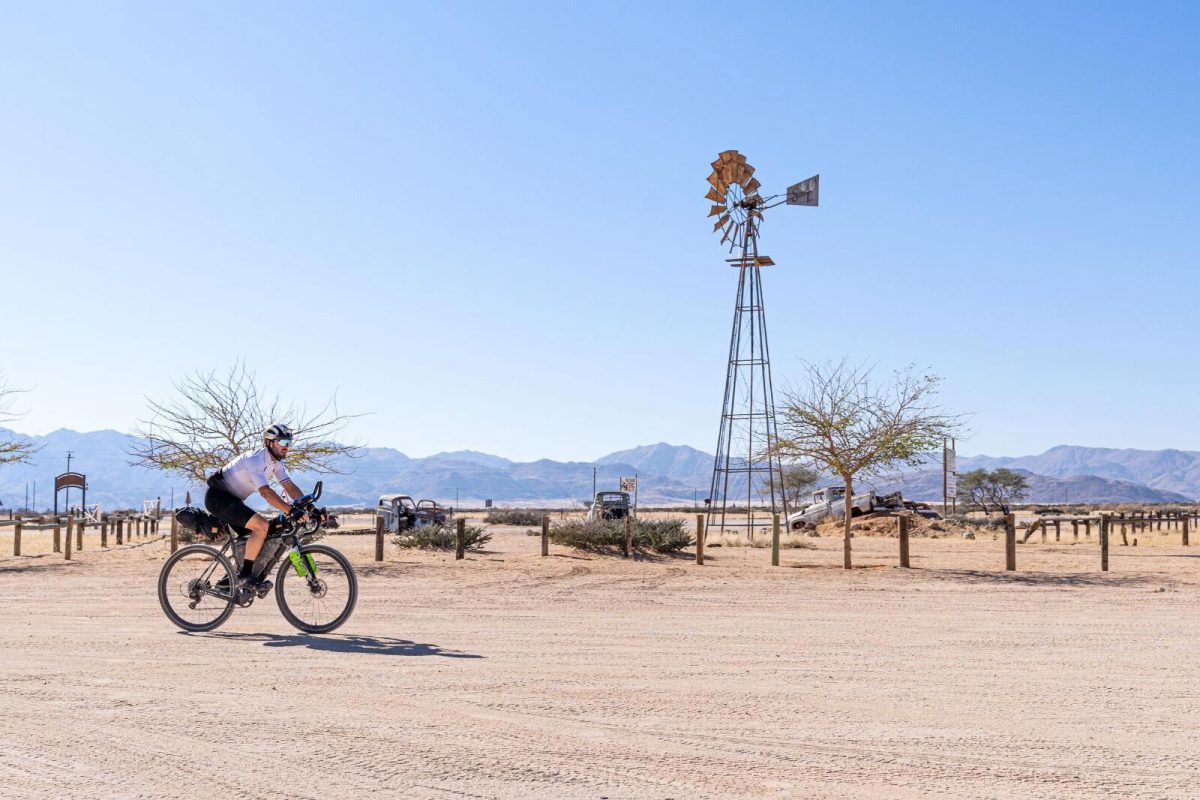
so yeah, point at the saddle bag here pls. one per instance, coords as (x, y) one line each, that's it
(196, 523)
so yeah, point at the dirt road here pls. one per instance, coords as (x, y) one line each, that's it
(509, 675)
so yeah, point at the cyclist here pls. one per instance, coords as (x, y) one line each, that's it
(248, 473)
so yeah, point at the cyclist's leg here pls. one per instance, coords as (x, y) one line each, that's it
(258, 526)
(234, 512)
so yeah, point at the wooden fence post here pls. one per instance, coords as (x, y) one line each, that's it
(700, 539)
(174, 534)
(103, 532)
(379, 538)
(1010, 542)
(57, 535)
(80, 524)
(17, 539)
(1105, 529)
(120, 523)
(545, 536)
(460, 540)
(1185, 531)
(70, 536)
(775, 540)
(628, 547)
(902, 532)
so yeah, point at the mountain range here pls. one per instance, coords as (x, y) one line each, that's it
(668, 475)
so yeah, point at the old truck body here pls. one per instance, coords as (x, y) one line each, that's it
(609, 505)
(401, 513)
(830, 503)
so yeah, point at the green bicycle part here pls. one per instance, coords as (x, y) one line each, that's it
(299, 564)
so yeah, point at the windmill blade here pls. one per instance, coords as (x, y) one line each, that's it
(721, 223)
(725, 235)
(728, 155)
(714, 210)
(715, 181)
(752, 186)
(715, 196)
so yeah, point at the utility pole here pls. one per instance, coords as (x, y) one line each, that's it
(593, 483)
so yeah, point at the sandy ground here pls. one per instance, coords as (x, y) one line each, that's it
(573, 676)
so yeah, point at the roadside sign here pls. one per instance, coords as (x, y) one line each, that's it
(628, 484)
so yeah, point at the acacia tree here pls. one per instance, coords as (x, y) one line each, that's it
(848, 424)
(214, 416)
(973, 487)
(1000, 488)
(1006, 487)
(13, 450)
(798, 480)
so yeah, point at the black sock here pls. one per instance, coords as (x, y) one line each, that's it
(247, 567)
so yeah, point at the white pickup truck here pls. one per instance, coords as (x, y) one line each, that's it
(830, 503)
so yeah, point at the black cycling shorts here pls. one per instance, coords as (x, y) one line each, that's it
(226, 506)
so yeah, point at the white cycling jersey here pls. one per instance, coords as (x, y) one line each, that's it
(249, 472)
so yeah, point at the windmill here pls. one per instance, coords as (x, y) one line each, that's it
(746, 459)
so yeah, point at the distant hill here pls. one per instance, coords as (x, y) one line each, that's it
(668, 475)
(680, 462)
(927, 485)
(1169, 470)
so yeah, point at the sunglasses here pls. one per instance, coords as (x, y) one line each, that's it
(284, 442)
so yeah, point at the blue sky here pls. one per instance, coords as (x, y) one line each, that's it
(485, 223)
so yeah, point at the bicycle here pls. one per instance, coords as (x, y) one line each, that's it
(316, 588)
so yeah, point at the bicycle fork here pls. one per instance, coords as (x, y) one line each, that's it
(303, 562)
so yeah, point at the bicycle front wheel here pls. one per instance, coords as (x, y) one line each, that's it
(194, 588)
(322, 598)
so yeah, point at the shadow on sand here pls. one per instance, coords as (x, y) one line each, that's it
(1041, 578)
(374, 645)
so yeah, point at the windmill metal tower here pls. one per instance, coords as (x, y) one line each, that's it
(746, 462)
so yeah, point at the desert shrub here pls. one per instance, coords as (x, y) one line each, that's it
(514, 516)
(786, 541)
(441, 537)
(977, 523)
(661, 536)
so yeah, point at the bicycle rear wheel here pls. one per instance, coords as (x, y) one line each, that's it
(195, 588)
(323, 600)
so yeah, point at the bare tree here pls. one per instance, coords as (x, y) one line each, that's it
(215, 416)
(849, 425)
(13, 450)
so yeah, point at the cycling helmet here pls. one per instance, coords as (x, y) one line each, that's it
(276, 432)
